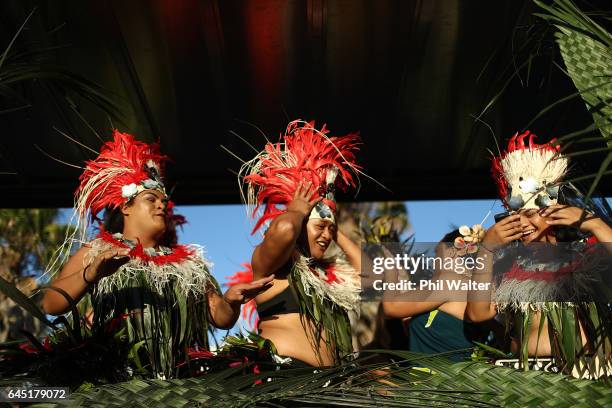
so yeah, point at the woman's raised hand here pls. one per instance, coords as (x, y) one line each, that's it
(569, 216)
(243, 292)
(304, 198)
(507, 230)
(105, 263)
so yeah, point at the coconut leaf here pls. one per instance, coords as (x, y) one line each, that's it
(10, 45)
(30, 66)
(584, 46)
(10, 290)
(76, 318)
(362, 383)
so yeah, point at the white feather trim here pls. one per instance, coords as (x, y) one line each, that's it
(529, 168)
(534, 294)
(344, 293)
(191, 275)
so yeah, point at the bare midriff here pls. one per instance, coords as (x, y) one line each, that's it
(540, 347)
(290, 339)
(288, 334)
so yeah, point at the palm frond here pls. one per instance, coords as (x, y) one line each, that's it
(22, 300)
(31, 66)
(584, 47)
(411, 380)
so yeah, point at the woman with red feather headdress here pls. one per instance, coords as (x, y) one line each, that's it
(140, 279)
(305, 313)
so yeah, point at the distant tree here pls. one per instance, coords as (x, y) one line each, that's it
(28, 239)
(368, 224)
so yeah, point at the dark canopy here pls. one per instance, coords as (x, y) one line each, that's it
(409, 75)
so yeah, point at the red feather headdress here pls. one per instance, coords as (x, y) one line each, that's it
(302, 154)
(124, 168)
(527, 176)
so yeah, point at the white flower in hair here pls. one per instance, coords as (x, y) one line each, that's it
(129, 190)
(468, 242)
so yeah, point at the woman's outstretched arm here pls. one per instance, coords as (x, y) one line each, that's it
(399, 308)
(225, 309)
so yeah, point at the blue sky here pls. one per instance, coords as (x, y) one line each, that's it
(224, 230)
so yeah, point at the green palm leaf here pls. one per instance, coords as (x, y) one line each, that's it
(22, 300)
(441, 384)
(30, 66)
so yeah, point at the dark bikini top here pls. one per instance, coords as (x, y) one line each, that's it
(283, 303)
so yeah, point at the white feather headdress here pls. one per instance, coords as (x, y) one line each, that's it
(528, 176)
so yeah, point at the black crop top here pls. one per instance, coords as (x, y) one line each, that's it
(283, 303)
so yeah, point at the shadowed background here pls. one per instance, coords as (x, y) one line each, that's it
(408, 75)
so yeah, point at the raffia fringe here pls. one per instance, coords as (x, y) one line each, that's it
(191, 276)
(344, 293)
(540, 295)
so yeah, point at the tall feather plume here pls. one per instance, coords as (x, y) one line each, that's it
(302, 154)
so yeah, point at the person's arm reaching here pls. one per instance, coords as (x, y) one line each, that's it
(479, 308)
(280, 238)
(403, 308)
(351, 249)
(575, 217)
(225, 309)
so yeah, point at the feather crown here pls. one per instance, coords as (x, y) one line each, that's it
(124, 168)
(528, 176)
(303, 153)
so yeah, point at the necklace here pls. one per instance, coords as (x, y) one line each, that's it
(183, 265)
